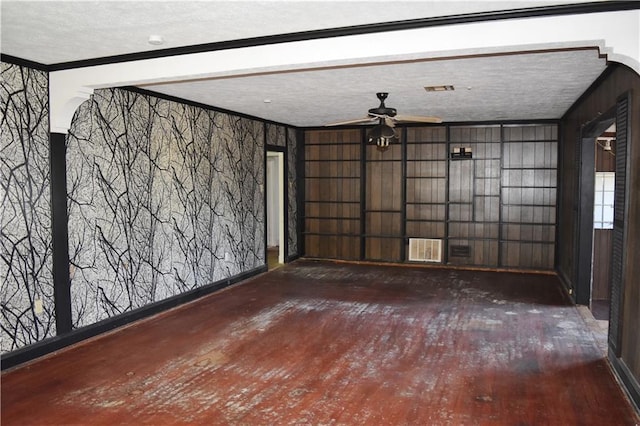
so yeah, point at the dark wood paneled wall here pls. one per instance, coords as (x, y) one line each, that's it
(496, 209)
(602, 240)
(332, 192)
(383, 204)
(529, 196)
(617, 81)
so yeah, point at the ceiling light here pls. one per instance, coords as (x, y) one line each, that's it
(443, 88)
(381, 135)
(155, 40)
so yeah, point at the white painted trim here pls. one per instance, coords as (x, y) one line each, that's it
(616, 33)
(67, 100)
(282, 202)
(281, 224)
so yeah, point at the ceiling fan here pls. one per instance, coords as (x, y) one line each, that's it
(386, 118)
(389, 116)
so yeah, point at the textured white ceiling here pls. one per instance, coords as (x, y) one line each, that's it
(522, 86)
(60, 31)
(502, 87)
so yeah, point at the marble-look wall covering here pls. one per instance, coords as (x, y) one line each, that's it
(25, 223)
(276, 135)
(163, 198)
(286, 137)
(292, 178)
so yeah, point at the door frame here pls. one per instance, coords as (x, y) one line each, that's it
(279, 154)
(586, 183)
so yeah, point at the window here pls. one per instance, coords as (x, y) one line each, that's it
(603, 200)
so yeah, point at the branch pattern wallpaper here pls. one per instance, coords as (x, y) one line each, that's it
(163, 198)
(276, 135)
(292, 177)
(25, 222)
(287, 137)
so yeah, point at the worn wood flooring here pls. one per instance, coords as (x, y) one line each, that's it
(318, 343)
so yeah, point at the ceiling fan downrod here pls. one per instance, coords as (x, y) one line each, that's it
(382, 109)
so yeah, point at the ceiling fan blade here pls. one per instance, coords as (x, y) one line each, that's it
(356, 121)
(417, 119)
(389, 122)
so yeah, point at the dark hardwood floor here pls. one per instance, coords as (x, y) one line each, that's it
(600, 309)
(316, 343)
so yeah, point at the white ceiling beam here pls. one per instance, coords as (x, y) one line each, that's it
(617, 34)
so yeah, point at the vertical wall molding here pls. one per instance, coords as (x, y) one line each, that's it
(285, 195)
(363, 193)
(301, 191)
(60, 234)
(586, 184)
(403, 197)
(560, 192)
(445, 248)
(585, 223)
(265, 219)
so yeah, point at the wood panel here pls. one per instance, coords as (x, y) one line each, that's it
(474, 196)
(323, 343)
(529, 187)
(332, 192)
(505, 193)
(600, 287)
(426, 182)
(606, 160)
(617, 80)
(384, 203)
(602, 238)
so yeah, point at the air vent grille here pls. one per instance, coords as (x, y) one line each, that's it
(459, 251)
(441, 88)
(425, 250)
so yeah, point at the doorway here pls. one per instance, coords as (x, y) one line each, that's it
(588, 218)
(604, 196)
(275, 209)
(586, 251)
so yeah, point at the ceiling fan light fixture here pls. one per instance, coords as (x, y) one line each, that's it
(382, 136)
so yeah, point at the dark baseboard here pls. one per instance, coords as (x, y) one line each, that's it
(566, 286)
(291, 258)
(47, 346)
(629, 381)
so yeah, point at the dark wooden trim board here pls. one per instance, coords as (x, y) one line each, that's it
(60, 232)
(530, 12)
(631, 385)
(45, 347)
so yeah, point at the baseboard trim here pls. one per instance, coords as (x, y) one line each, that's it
(629, 383)
(47, 346)
(292, 258)
(566, 286)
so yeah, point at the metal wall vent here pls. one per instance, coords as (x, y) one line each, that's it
(425, 250)
(459, 251)
(441, 88)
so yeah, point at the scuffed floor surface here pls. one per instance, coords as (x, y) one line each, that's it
(317, 343)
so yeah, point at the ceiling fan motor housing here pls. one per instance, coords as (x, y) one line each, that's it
(382, 109)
